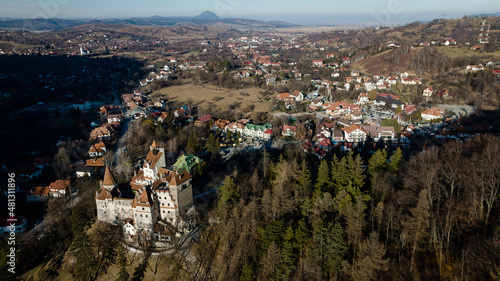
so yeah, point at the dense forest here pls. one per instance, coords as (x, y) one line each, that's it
(433, 217)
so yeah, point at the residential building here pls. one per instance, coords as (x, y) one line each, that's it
(428, 92)
(258, 131)
(355, 133)
(115, 118)
(97, 150)
(38, 194)
(289, 131)
(59, 188)
(235, 128)
(432, 114)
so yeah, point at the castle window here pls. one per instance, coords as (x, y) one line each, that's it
(146, 216)
(143, 208)
(141, 215)
(164, 211)
(169, 212)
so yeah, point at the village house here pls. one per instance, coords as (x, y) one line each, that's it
(220, 125)
(355, 134)
(432, 114)
(235, 128)
(355, 73)
(337, 135)
(363, 99)
(289, 131)
(378, 133)
(203, 120)
(97, 150)
(84, 171)
(162, 117)
(287, 97)
(95, 163)
(59, 188)
(105, 110)
(258, 131)
(317, 63)
(297, 95)
(410, 81)
(388, 100)
(38, 194)
(428, 92)
(104, 132)
(115, 118)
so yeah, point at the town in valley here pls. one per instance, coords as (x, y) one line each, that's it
(219, 148)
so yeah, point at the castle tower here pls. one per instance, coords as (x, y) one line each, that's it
(154, 145)
(109, 182)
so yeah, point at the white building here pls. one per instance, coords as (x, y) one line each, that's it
(354, 133)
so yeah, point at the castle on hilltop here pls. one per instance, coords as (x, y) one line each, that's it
(154, 194)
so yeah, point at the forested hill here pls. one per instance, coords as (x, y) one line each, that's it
(434, 217)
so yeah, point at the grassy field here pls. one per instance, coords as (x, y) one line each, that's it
(17, 45)
(465, 51)
(203, 94)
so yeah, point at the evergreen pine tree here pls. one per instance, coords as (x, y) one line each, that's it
(210, 144)
(304, 181)
(395, 160)
(378, 162)
(246, 273)
(287, 256)
(328, 246)
(323, 180)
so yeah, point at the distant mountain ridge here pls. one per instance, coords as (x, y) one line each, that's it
(206, 18)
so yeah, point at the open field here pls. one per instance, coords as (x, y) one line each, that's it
(16, 45)
(203, 94)
(465, 51)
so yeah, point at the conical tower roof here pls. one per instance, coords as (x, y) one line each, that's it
(108, 178)
(154, 145)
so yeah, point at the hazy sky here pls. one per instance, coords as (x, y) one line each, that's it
(286, 10)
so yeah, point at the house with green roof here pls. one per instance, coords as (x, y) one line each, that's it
(258, 131)
(187, 163)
